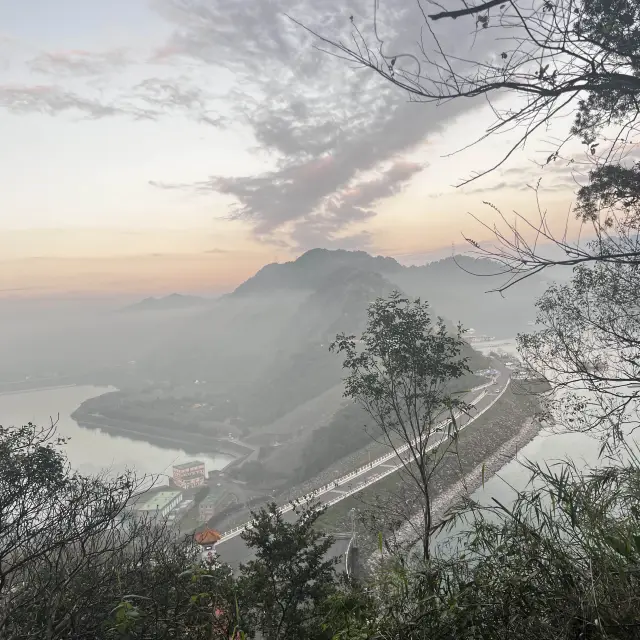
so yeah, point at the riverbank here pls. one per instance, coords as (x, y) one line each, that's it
(95, 451)
(482, 472)
(162, 436)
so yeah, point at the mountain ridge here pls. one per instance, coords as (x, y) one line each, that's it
(456, 287)
(310, 268)
(162, 303)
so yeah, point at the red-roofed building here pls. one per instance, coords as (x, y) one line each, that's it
(207, 539)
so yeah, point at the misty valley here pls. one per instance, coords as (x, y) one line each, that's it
(320, 320)
(247, 378)
(250, 374)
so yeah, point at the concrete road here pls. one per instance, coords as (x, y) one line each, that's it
(231, 547)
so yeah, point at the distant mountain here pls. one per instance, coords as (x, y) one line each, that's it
(261, 351)
(460, 289)
(264, 347)
(311, 269)
(173, 301)
(457, 288)
(268, 352)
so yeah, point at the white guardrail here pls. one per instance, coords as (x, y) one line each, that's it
(333, 485)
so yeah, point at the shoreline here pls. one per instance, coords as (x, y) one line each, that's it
(162, 436)
(493, 441)
(33, 389)
(464, 487)
(201, 444)
(473, 480)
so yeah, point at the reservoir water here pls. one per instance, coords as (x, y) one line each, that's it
(547, 447)
(92, 451)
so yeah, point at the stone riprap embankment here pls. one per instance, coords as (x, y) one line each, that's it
(492, 440)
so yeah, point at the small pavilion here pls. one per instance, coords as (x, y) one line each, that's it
(207, 540)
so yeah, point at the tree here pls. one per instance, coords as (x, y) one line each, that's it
(587, 345)
(287, 584)
(549, 57)
(400, 371)
(558, 562)
(75, 562)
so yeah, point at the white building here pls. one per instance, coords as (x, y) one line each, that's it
(161, 503)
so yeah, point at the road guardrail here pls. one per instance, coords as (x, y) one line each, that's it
(308, 497)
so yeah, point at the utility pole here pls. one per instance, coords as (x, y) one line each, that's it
(352, 513)
(353, 555)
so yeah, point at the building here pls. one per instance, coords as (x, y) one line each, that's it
(210, 505)
(207, 540)
(161, 503)
(189, 474)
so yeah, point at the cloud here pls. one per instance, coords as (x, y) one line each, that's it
(308, 200)
(333, 136)
(151, 99)
(177, 95)
(216, 251)
(348, 206)
(500, 186)
(320, 122)
(52, 100)
(80, 63)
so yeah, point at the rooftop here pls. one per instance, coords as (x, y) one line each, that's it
(213, 497)
(208, 536)
(158, 501)
(187, 465)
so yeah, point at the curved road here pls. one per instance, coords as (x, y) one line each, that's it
(232, 549)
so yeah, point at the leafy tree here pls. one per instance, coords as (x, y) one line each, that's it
(550, 57)
(587, 346)
(400, 372)
(290, 579)
(559, 562)
(76, 563)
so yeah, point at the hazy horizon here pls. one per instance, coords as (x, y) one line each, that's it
(145, 153)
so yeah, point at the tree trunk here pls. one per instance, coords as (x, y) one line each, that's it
(426, 536)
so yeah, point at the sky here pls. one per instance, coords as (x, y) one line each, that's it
(152, 146)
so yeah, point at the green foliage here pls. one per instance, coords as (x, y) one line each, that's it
(401, 371)
(290, 579)
(560, 562)
(585, 346)
(403, 349)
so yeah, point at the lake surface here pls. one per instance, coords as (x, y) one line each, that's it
(547, 446)
(91, 451)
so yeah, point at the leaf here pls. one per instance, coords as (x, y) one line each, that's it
(619, 546)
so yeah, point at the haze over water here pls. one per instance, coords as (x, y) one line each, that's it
(91, 451)
(548, 447)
